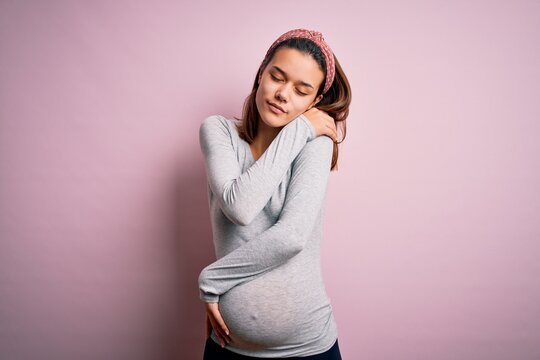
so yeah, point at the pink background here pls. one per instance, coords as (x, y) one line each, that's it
(432, 234)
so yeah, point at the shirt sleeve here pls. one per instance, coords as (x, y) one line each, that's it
(241, 196)
(287, 237)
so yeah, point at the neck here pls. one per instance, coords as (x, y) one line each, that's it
(263, 139)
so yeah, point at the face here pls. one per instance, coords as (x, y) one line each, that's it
(290, 80)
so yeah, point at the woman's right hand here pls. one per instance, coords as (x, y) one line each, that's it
(217, 322)
(323, 123)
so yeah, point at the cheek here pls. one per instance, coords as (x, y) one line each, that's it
(261, 95)
(266, 87)
(303, 103)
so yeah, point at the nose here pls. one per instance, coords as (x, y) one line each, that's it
(282, 94)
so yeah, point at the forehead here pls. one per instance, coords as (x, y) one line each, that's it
(297, 65)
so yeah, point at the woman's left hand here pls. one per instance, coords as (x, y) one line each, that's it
(217, 322)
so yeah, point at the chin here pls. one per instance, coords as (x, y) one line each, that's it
(273, 120)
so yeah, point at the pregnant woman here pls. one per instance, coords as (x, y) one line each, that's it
(267, 178)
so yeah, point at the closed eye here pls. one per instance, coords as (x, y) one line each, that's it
(275, 78)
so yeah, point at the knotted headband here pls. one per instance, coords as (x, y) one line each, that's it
(318, 39)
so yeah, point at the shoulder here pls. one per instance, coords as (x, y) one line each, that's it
(213, 121)
(317, 153)
(321, 146)
(217, 126)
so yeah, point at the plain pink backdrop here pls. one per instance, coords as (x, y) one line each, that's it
(432, 232)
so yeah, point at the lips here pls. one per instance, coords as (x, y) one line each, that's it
(277, 107)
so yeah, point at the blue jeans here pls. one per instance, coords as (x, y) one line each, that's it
(214, 351)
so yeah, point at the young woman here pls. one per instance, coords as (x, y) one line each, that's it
(267, 179)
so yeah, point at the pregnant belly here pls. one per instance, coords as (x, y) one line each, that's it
(269, 312)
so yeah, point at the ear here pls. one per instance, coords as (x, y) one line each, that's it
(319, 98)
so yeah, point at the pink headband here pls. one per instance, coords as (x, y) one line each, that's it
(318, 39)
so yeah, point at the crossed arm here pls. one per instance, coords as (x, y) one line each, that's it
(243, 197)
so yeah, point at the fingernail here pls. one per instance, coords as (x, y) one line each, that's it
(227, 332)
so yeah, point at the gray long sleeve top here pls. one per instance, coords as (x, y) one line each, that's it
(267, 224)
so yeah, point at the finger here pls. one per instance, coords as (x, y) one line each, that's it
(331, 132)
(334, 131)
(331, 121)
(217, 331)
(222, 333)
(221, 322)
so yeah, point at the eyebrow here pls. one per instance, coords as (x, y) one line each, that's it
(285, 74)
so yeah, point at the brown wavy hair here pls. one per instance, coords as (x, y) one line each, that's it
(335, 102)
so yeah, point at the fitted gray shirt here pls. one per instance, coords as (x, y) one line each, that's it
(267, 224)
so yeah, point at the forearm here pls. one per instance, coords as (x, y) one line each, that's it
(287, 237)
(243, 195)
